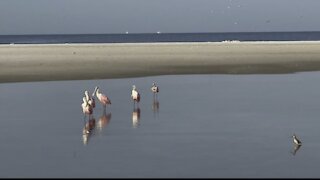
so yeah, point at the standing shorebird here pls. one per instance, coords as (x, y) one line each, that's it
(155, 104)
(154, 88)
(86, 107)
(90, 100)
(104, 99)
(296, 140)
(135, 95)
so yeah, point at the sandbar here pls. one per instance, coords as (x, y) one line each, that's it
(51, 62)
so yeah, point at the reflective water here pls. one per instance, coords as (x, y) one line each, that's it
(198, 126)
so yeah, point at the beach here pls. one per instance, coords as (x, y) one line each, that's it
(49, 62)
(211, 122)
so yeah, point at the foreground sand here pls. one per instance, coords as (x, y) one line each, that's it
(45, 62)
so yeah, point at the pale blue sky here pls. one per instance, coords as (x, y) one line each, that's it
(150, 16)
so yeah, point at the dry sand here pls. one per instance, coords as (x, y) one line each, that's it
(45, 62)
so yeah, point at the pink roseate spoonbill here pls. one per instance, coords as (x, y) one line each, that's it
(104, 99)
(135, 95)
(90, 100)
(86, 108)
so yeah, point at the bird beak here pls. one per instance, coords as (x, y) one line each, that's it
(94, 92)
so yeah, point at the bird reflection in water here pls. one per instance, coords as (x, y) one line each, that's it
(88, 129)
(155, 107)
(136, 117)
(104, 120)
(295, 149)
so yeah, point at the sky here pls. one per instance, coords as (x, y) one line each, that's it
(151, 16)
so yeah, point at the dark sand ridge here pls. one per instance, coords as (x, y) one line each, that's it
(47, 62)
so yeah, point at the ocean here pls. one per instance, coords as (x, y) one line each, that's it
(159, 37)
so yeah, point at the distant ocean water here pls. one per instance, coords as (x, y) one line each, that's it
(159, 37)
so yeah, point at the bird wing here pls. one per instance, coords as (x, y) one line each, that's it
(105, 98)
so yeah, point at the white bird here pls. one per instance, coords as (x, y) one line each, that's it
(90, 100)
(154, 88)
(135, 95)
(104, 99)
(86, 107)
(296, 140)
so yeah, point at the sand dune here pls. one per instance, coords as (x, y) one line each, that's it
(46, 62)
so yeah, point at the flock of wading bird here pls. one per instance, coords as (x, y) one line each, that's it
(89, 104)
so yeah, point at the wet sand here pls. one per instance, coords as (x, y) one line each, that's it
(47, 62)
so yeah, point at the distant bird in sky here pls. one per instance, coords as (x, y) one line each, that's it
(104, 99)
(135, 95)
(296, 140)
